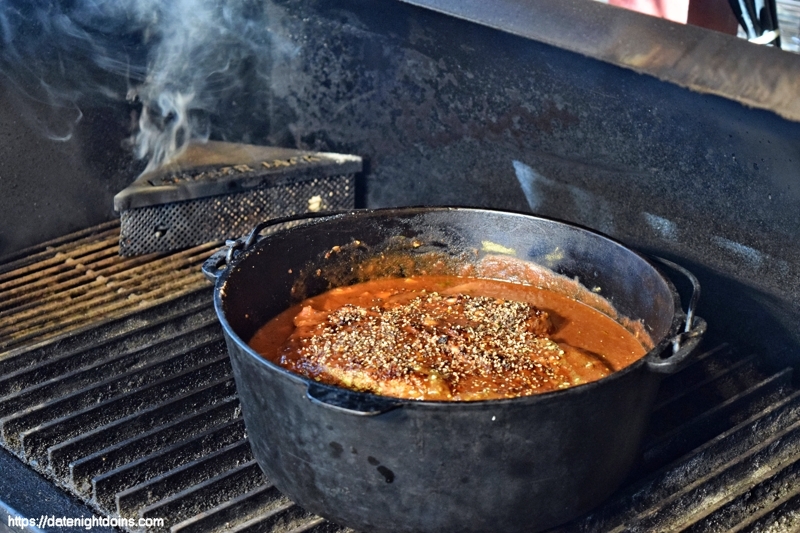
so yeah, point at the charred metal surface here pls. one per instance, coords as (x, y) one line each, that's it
(696, 430)
(220, 488)
(83, 281)
(452, 111)
(264, 500)
(444, 110)
(123, 479)
(186, 476)
(137, 413)
(704, 61)
(697, 483)
(121, 443)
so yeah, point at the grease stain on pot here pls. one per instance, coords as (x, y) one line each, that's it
(387, 474)
(336, 449)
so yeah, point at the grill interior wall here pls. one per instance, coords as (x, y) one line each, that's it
(453, 112)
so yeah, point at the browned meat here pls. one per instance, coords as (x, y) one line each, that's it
(436, 347)
(447, 338)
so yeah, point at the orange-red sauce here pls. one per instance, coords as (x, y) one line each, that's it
(437, 354)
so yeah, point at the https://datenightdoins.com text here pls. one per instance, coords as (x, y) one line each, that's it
(83, 522)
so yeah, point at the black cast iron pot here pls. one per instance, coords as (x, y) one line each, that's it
(384, 464)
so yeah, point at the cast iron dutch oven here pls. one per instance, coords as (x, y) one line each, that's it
(384, 464)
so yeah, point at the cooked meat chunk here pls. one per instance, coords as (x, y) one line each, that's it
(434, 347)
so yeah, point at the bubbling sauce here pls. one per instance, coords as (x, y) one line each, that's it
(435, 337)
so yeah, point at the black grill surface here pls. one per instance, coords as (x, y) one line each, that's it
(115, 385)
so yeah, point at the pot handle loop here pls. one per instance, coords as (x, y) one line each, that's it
(215, 265)
(684, 343)
(348, 402)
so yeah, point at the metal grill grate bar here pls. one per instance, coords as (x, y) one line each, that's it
(702, 369)
(66, 266)
(318, 525)
(41, 251)
(702, 464)
(753, 504)
(207, 494)
(56, 260)
(28, 388)
(697, 501)
(113, 293)
(687, 397)
(124, 331)
(61, 406)
(717, 419)
(289, 518)
(34, 442)
(784, 516)
(261, 504)
(716, 389)
(641, 505)
(136, 436)
(74, 282)
(85, 283)
(140, 403)
(184, 477)
(101, 463)
(107, 485)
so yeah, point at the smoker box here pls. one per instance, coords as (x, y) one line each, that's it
(217, 190)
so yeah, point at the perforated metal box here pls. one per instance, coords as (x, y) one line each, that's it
(216, 191)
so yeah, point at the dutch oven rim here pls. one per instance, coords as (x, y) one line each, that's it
(219, 276)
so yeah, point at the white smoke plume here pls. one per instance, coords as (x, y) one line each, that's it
(178, 59)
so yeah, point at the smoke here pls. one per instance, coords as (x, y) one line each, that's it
(178, 61)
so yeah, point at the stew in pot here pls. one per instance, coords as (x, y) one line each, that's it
(436, 337)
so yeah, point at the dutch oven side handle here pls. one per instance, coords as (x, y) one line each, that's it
(216, 264)
(684, 343)
(347, 402)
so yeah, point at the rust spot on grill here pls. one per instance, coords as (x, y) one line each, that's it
(84, 281)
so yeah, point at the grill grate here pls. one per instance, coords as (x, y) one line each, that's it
(120, 391)
(74, 284)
